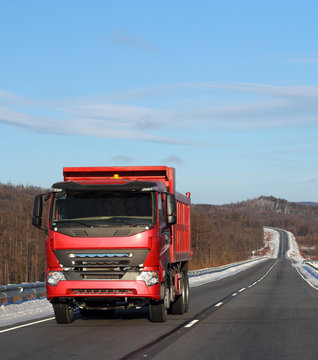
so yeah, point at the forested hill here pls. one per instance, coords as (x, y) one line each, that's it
(271, 205)
(220, 234)
(230, 232)
(299, 218)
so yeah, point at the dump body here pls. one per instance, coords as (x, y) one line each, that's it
(118, 237)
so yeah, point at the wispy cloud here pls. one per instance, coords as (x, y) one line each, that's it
(242, 106)
(138, 43)
(312, 180)
(172, 159)
(308, 60)
(122, 159)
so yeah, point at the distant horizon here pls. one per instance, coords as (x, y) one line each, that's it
(192, 202)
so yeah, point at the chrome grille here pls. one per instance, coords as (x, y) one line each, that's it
(100, 264)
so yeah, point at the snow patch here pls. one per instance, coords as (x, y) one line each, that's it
(293, 252)
(215, 276)
(28, 310)
(273, 241)
(305, 271)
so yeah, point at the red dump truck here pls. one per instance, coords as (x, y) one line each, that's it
(117, 237)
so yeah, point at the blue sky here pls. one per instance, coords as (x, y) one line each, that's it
(226, 92)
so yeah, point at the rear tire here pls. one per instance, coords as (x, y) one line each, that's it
(181, 304)
(64, 313)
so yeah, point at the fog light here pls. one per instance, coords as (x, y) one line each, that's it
(149, 277)
(54, 277)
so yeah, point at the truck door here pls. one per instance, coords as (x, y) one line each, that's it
(164, 231)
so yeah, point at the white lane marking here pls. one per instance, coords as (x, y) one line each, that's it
(234, 294)
(241, 290)
(28, 324)
(191, 323)
(218, 304)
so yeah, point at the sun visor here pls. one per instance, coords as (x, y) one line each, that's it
(127, 186)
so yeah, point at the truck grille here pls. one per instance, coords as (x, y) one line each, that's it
(125, 292)
(100, 264)
(107, 266)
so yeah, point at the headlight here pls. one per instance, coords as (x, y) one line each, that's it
(53, 277)
(149, 277)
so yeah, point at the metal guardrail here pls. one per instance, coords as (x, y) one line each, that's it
(312, 263)
(15, 293)
(194, 273)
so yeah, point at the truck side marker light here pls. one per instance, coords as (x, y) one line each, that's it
(191, 323)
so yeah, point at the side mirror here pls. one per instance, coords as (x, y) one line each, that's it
(171, 209)
(37, 211)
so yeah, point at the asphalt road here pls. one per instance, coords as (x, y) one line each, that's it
(266, 312)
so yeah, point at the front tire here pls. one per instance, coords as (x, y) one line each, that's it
(64, 314)
(157, 312)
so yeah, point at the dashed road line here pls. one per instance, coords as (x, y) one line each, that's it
(191, 323)
(24, 325)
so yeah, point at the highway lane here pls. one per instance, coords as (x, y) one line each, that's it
(275, 319)
(125, 335)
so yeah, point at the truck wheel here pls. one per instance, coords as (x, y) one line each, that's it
(157, 312)
(181, 304)
(64, 314)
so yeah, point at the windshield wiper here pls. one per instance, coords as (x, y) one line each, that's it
(73, 221)
(121, 221)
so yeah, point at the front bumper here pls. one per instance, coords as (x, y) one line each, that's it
(103, 289)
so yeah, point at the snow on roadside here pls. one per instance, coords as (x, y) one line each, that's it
(273, 243)
(206, 278)
(293, 252)
(28, 310)
(305, 271)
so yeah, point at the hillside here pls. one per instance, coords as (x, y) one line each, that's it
(221, 235)
(301, 219)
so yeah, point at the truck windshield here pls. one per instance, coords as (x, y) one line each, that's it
(92, 208)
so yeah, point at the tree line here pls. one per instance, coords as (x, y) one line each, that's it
(22, 246)
(220, 234)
